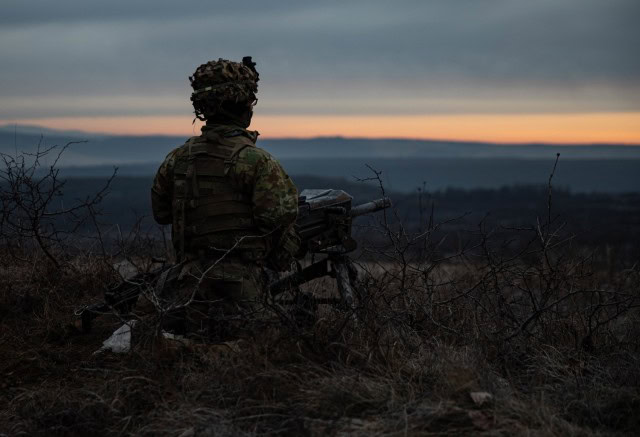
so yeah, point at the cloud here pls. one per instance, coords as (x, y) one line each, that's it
(326, 52)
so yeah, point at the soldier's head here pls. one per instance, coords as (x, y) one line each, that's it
(225, 90)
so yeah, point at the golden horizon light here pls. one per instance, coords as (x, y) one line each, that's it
(587, 128)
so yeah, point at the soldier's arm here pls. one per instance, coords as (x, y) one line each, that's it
(161, 192)
(275, 197)
(275, 208)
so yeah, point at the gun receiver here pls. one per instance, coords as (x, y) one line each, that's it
(324, 225)
(325, 217)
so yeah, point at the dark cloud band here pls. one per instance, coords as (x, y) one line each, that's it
(410, 47)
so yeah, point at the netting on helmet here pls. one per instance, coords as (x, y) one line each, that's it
(218, 82)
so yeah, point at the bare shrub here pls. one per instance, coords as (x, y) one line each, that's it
(532, 326)
(32, 215)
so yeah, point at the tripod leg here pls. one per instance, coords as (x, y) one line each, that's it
(360, 293)
(344, 283)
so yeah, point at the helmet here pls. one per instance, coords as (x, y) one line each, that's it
(223, 81)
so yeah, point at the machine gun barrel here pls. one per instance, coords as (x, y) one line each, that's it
(369, 207)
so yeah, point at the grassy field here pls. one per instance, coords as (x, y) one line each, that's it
(536, 344)
(520, 325)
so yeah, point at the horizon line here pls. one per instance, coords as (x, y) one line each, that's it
(516, 129)
(344, 137)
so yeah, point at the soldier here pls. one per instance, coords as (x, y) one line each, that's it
(231, 205)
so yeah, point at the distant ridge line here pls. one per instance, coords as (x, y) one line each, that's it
(29, 129)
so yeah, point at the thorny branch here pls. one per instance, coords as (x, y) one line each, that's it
(29, 217)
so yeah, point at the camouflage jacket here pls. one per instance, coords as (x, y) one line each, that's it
(252, 173)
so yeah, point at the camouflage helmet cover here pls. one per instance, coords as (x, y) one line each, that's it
(222, 81)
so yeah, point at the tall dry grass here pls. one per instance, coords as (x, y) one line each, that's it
(423, 341)
(502, 338)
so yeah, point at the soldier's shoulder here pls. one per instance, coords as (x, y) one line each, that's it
(252, 155)
(182, 149)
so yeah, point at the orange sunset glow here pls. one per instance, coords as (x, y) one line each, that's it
(622, 128)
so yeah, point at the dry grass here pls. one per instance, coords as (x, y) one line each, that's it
(394, 372)
(504, 338)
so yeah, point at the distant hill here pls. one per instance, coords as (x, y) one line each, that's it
(127, 149)
(97, 150)
(405, 164)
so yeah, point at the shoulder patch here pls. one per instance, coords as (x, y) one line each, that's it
(251, 155)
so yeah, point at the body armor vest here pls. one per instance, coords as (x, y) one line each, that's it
(211, 211)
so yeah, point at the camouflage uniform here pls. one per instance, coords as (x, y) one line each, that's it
(232, 208)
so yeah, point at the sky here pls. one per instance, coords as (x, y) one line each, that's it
(563, 71)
